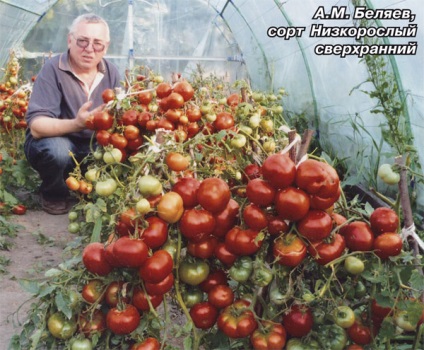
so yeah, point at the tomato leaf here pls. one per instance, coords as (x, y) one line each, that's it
(46, 290)
(62, 305)
(31, 287)
(417, 281)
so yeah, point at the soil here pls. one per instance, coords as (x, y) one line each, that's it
(37, 246)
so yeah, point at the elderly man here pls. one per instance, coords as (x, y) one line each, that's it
(66, 91)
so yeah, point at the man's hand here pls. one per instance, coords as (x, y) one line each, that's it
(84, 114)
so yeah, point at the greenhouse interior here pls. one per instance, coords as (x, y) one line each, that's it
(254, 182)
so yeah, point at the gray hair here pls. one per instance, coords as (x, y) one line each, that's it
(89, 18)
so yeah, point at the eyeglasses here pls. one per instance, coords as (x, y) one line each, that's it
(83, 44)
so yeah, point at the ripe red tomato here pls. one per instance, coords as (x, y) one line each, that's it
(224, 120)
(291, 203)
(237, 320)
(298, 321)
(123, 320)
(279, 170)
(187, 188)
(160, 288)
(215, 278)
(102, 120)
(324, 203)
(143, 118)
(130, 117)
(260, 192)
(91, 322)
(141, 300)
(270, 336)
(226, 219)
(379, 311)
(185, 89)
(108, 95)
(289, 250)
(254, 217)
(163, 90)
(156, 233)
(224, 255)
(384, 220)
(19, 209)
(360, 333)
(156, 267)
(325, 251)
(233, 99)
(92, 291)
(204, 315)
(250, 172)
(134, 144)
(387, 244)
(213, 194)
(196, 224)
(174, 100)
(221, 296)
(130, 252)
(277, 226)
(149, 343)
(204, 249)
(94, 259)
(145, 97)
(103, 137)
(176, 161)
(315, 226)
(242, 242)
(317, 178)
(193, 114)
(358, 236)
(131, 132)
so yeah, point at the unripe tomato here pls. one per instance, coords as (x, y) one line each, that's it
(60, 326)
(149, 185)
(170, 207)
(176, 161)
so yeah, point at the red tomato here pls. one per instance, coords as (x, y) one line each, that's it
(193, 114)
(187, 188)
(317, 178)
(315, 225)
(122, 229)
(163, 90)
(360, 333)
(254, 217)
(224, 120)
(91, 322)
(203, 249)
(196, 224)
(289, 250)
(141, 300)
(221, 296)
(242, 242)
(102, 120)
(324, 203)
(130, 117)
(204, 315)
(279, 170)
(384, 220)
(215, 278)
(156, 267)
(174, 100)
(131, 132)
(130, 252)
(160, 288)
(213, 194)
(185, 89)
(236, 320)
(156, 233)
(233, 99)
(176, 161)
(250, 172)
(224, 255)
(108, 95)
(298, 321)
(145, 97)
(387, 244)
(277, 226)
(226, 219)
(291, 203)
(115, 293)
(260, 192)
(123, 320)
(143, 118)
(134, 144)
(379, 311)
(325, 251)
(270, 336)
(149, 343)
(94, 259)
(19, 209)
(358, 236)
(93, 291)
(338, 219)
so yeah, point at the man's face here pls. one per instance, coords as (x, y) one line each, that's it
(88, 44)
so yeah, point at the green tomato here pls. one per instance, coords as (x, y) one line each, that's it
(332, 337)
(91, 175)
(72, 215)
(298, 344)
(267, 125)
(239, 141)
(192, 296)
(269, 146)
(143, 206)
(402, 321)
(113, 156)
(193, 273)
(386, 173)
(106, 188)
(149, 186)
(241, 270)
(262, 276)
(354, 265)
(73, 227)
(61, 327)
(360, 290)
(81, 344)
(344, 316)
(254, 120)
(98, 154)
